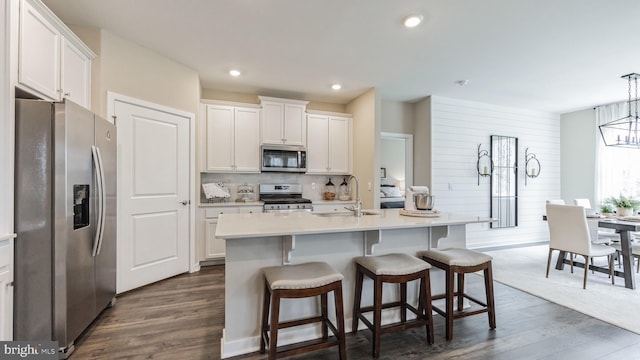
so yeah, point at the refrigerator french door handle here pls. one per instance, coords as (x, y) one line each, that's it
(97, 161)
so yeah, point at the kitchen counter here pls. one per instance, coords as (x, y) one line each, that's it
(234, 226)
(255, 241)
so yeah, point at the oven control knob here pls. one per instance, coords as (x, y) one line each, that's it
(278, 206)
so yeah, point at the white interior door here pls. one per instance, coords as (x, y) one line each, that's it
(153, 194)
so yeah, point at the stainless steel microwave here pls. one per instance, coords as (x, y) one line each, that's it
(284, 158)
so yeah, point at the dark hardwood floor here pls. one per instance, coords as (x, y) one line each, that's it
(182, 318)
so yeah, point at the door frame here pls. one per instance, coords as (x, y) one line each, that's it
(112, 97)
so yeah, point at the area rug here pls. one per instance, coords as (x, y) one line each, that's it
(524, 269)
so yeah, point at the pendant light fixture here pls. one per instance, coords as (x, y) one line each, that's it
(624, 132)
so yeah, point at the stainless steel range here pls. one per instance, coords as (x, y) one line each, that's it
(284, 198)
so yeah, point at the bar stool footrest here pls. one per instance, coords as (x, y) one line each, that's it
(298, 322)
(311, 345)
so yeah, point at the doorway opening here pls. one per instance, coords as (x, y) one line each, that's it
(396, 158)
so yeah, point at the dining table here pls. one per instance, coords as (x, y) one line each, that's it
(624, 228)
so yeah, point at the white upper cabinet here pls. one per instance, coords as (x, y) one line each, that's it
(39, 52)
(283, 121)
(232, 139)
(328, 144)
(52, 62)
(75, 74)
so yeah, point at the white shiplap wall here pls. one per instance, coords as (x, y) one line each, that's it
(457, 128)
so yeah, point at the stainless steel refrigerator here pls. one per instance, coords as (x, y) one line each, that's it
(65, 219)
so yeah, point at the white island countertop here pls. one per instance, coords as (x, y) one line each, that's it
(237, 226)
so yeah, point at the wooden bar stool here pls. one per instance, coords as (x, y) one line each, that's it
(460, 262)
(301, 281)
(399, 269)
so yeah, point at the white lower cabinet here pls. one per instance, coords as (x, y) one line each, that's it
(6, 290)
(215, 248)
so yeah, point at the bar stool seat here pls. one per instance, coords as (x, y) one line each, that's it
(461, 261)
(301, 281)
(399, 269)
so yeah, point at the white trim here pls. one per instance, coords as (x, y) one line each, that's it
(408, 153)
(230, 103)
(328, 113)
(112, 97)
(281, 100)
(7, 137)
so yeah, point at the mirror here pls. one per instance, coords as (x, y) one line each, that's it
(504, 181)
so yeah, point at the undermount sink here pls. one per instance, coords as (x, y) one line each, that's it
(345, 213)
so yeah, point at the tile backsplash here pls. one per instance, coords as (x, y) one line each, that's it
(232, 181)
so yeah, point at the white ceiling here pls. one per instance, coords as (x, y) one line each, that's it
(549, 55)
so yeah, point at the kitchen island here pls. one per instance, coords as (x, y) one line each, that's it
(255, 241)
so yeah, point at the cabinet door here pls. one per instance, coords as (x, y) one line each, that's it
(75, 75)
(317, 144)
(38, 53)
(215, 247)
(247, 140)
(294, 125)
(6, 290)
(272, 118)
(339, 145)
(220, 138)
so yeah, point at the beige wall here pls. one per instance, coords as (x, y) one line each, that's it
(366, 144)
(397, 117)
(132, 70)
(422, 143)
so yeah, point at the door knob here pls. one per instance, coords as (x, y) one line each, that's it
(185, 202)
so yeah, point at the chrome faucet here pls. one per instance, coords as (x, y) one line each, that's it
(357, 206)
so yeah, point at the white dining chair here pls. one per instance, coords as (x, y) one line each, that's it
(604, 236)
(635, 251)
(569, 231)
(585, 203)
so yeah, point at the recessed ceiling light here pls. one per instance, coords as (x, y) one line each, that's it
(412, 20)
(336, 86)
(234, 72)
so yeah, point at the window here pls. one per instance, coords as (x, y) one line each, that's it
(618, 168)
(619, 172)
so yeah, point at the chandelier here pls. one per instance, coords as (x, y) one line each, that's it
(624, 132)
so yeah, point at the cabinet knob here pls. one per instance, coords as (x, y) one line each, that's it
(67, 94)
